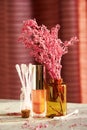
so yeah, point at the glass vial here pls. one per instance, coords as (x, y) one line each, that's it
(24, 106)
(38, 93)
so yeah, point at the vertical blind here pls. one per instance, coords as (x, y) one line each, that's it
(46, 12)
(12, 14)
(70, 62)
(70, 15)
(82, 4)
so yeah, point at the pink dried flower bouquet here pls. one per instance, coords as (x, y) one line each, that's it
(45, 46)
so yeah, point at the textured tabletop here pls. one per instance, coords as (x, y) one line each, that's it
(10, 118)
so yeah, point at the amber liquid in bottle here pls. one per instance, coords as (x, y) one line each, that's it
(38, 93)
(56, 102)
(39, 103)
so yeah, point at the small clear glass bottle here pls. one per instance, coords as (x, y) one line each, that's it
(24, 106)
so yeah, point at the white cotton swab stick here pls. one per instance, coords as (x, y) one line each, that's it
(20, 76)
(26, 77)
(66, 116)
(23, 69)
(30, 75)
(25, 74)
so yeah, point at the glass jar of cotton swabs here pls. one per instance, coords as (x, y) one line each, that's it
(24, 72)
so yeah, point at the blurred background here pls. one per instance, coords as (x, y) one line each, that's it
(72, 17)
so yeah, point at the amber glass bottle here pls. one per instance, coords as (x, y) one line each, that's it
(56, 98)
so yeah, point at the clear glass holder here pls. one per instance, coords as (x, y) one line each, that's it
(24, 106)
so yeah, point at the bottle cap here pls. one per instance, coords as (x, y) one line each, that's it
(38, 77)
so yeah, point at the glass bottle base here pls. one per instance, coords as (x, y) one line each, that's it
(38, 115)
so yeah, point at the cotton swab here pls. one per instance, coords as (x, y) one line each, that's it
(25, 75)
(66, 116)
(20, 76)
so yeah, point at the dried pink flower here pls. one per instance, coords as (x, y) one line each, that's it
(45, 46)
